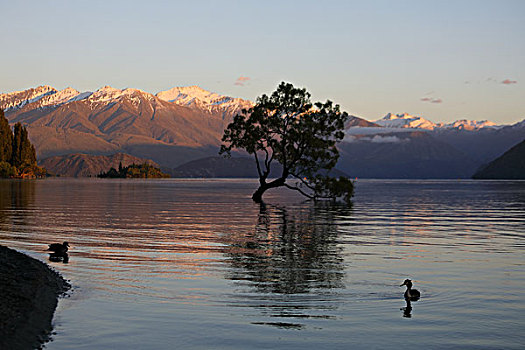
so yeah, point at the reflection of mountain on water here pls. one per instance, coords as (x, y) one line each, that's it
(290, 254)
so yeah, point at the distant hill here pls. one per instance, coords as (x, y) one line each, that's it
(354, 121)
(209, 167)
(403, 155)
(79, 165)
(511, 165)
(485, 144)
(234, 167)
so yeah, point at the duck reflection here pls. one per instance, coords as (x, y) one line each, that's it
(291, 264)
(407, 310)
(59, 257)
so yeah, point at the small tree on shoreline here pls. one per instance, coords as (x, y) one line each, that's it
(287, 128)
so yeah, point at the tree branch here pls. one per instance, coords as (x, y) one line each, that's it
(258, 166)
(295, 188)
(303, 181)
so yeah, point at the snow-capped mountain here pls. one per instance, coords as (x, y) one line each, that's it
(410, 146)
(63, 96)
(405, 120)
(19, 99)
(108, 93)
(464, 124)
(189, 96)
(172, 130)
(196, 97)
(42, 96)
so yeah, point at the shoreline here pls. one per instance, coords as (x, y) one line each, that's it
(29, 291)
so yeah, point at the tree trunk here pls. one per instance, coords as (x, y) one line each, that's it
(257, 195)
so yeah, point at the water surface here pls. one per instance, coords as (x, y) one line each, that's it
(195, 264)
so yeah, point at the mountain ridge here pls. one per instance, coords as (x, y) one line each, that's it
(405, 120)
(197, 97)
(176, 126)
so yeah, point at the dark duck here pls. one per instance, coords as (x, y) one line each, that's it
(58, 248)
(410, 294)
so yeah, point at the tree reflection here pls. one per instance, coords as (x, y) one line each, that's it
(290, 254)
(15, 197)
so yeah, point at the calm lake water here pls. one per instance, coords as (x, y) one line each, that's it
(194, 264)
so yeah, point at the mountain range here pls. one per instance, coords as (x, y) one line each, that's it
(405, 120)
(185, 124)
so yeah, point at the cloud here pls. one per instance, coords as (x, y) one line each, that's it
(374, 139)
(431, 100)
(241, 81)
(508, 82)
(386, 139)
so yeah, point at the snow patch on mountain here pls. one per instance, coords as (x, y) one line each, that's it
(194, 96)
(187, 95)
(519, 124)
(19, 99)
(405, 120)
(108, 94)
(464, 124)
(59, 97)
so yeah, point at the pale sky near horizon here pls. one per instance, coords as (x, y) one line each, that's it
(442, 60)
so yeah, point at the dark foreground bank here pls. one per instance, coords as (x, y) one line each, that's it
(29, 292)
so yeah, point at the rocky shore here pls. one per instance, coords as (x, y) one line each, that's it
(29, 292)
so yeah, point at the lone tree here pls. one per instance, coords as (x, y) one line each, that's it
(287, 128)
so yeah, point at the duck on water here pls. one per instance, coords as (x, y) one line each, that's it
(59, 248)
(410, 294)
(59, 252)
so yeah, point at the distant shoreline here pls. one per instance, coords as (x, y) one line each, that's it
(29, 293)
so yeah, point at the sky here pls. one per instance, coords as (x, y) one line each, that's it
(442, 60)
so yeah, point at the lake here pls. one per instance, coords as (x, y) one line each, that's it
(195, 264)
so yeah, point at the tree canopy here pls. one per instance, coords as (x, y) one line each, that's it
(17, 154)
(286, 127)
(143, 171)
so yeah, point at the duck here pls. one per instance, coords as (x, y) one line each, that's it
(58, 248)
(410, 294)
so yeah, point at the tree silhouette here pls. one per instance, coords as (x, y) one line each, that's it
(24, 154)
(6, 139)
(17, 154)
(287, 128)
